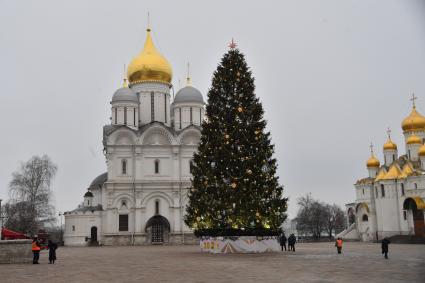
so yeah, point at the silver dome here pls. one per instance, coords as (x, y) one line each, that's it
(189, 94)
(125, 94)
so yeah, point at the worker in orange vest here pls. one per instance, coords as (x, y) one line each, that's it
(338, 245)
(35, 250)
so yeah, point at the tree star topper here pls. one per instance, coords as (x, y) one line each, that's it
(232, 44)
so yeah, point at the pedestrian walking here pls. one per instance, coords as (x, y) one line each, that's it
(283, 241)
(52, 251)
(35, 247)
(338, 245)
(384, 245)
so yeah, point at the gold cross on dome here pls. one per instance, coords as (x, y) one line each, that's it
(413, 99)
(389, 133)
(232, 44)
(371, 148)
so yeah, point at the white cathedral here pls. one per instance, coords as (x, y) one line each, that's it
(390, 201)
(149, 147)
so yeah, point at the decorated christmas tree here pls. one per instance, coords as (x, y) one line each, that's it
(235, 190)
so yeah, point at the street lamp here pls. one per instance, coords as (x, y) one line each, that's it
(61, 235)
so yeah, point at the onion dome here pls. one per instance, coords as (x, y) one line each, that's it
(421, 151)
(413, 139)
(373, 162)
(189, 94)
(414, 122)
(88, 194)
(149, 65)
(125, 94)
(390, 145)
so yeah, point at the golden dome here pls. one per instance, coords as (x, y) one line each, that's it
(373, 162)
(421, 151)
(413, 139)
(390, 145)
(149, 65)
(413, 122)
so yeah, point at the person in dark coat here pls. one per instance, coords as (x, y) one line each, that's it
(384, 245)
(291, 242)
(283, 241)
(52, 251)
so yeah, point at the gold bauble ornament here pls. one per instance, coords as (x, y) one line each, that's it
(226, 136)
(257, 214)
(198, 218)
(240, 109)
(233, 185)
(249, 171)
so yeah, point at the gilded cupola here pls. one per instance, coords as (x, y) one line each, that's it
(373, 162)
(149, 65)
(415, 121)
(414, 139)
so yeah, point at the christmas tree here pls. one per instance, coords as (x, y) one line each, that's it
(235, 190)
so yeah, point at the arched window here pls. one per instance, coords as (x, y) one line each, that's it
(152, 106)
(157, 166)
(123, 203)
(190, 166)
(125, 115)
(376, 192)
(402, 189)
(124, 167)
(393, 157)
(191, 116)
(73, 228)
(365, 218)
(180, 118)
(416, 186)
(409, 154)
(134, 116)
(200, 116)
(165, 107)
(382, 190)
(116, 115)
(157, 207)
(363, 191)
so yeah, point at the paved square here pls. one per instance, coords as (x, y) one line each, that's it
(312, 262)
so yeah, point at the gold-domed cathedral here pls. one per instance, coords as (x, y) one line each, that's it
(148, 147)
(390, 202)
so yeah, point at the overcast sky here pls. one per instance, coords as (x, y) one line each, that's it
(332, 76)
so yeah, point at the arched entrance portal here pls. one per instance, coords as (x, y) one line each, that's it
(416, 206)
(93, 235)
(157, 229)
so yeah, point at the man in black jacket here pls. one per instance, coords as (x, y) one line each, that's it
(384, 245)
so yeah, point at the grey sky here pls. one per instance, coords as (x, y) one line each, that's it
(332, 76)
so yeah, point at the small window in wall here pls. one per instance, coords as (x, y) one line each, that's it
(116, 115)
(365, 218)
(404, 215)
(88, 202)
(393, 157)
(157, 166)
(123, 222)
(165, 107)
(402, 189)
(157, 207)
(409, 154)
(376, 192)
(191, 116)
(134, 116)
(125, 115)
(123, 203)
(180, 118)
(382, 190)
(190, 166)
(124, 167)
(200, 116)
(415, 186)
(152, 106)
(363, 191)
(73, 228)
(385, 159)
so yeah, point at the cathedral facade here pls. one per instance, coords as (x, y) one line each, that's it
(149, 147)
(390, 200)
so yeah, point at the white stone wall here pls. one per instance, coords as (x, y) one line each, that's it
(82, 223)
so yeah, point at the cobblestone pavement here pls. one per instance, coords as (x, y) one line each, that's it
(312, 262)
